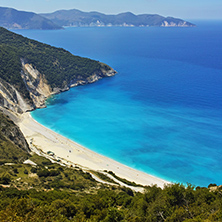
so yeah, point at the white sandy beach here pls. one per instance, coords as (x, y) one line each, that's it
(45, 139)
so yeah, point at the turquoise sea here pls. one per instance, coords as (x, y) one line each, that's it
(162, 112)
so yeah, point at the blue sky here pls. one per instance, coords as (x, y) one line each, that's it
(186, 9)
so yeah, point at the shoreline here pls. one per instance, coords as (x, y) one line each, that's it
(75, 154)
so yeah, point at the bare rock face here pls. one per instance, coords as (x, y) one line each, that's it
(39, 89)
(93, 78)
(36, 84)
(173, 24)
(11, 99)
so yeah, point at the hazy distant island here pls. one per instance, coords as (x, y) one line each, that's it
(14, 19)
(78, 18)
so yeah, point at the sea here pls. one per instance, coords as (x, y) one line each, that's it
(162, 112)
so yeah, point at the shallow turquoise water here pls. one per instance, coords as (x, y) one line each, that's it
(162, 112)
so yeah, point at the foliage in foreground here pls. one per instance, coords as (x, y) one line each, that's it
(173, 203)
(46, 176)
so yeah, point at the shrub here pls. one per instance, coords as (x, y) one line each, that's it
(5, 179)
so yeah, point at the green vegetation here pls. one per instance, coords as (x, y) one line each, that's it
(46, 176)
(59, 66)
(13, 154)
(173, 203)
(11, 149)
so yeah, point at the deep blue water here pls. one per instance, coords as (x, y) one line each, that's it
(162, 112)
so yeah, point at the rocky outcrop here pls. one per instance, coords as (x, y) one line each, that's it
(31, 71)
(93, 78)
(36, 84)
(174, 24)
(40, 90)
(11, 99)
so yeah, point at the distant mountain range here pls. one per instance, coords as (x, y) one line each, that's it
(14, 19)
(78, 18)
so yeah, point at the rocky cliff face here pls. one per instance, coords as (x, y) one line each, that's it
(173, 24)
(91, 79)
(11, 99)
(36, 84)
(38, 88)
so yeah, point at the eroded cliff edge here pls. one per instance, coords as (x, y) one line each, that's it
(39, 89)
(31, 71)
(11, 99)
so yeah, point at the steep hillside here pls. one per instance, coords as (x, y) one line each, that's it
(13, 146)
(31, 71)
(78, 18)
(14, 19)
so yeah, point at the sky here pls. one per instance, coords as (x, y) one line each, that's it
(185, 9)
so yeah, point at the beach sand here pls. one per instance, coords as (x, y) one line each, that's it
(46, 140)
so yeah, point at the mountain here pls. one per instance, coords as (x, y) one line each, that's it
(78, 18)
(31, 71)
(14, 19)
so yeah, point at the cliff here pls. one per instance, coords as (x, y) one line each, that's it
(30, 72)
(40, 89)
(11, 99)
(36, 84)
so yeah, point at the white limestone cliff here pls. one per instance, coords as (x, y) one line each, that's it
(39, 89)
